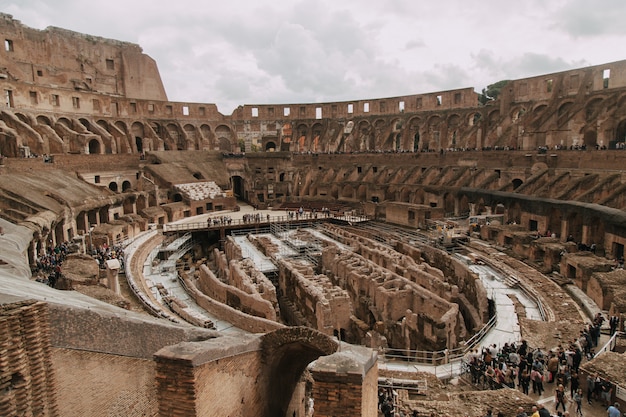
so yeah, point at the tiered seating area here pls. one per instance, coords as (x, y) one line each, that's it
(197, 191)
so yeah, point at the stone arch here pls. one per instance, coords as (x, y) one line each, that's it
(138, 134)
(270, 146)
(378, 141)
(191, 132)
(448, 204)
(593, 108)
(126, 185)
(95, 147)
(563, 112)
(493, 117)
(347, 191)
(419, 196)
(141, 203)
(364, 131)
(517, 182)
(316, 137)
(113, 186)
(286, 353)
(206, 132)
(474, 119)
(44, 120)
(361, 193)
(434, 132)
(480, 206)
(177, 137)
(405, 195)
(224, 137)
(464, 205)
(413, 133)
(516, 113)
(590, 138)
(129, 203)
(65, 122)
(454, 120)
(620, 133)
(539, 109)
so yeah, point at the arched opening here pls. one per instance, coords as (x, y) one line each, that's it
(287, 354)
(416, 142)
(362, 192)
(517, 183)
(141, 203)
(177, 197)
(620, 136)
(590, 139)
(515, 213)
(270, 147)
(554, 221)
(595, 234)
(347, 192)
(448, 204)
(575, 226)
(405, 195)
(238, 186)
(126, 186)
(139, 144)
(113, 186)
(94, 147)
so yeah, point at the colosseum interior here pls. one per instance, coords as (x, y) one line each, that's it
(296, 257)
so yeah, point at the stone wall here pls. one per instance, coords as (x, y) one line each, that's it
(248, 303)
(320, 304)
(92, 330)
(223, 311)
(411, 316)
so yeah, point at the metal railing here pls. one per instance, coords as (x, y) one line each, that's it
(439, 357)
(263, 220)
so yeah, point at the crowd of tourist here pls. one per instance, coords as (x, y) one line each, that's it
(519, 366)
(105, 252)
(47, 268)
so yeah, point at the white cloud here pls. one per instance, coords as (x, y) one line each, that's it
(286, 51)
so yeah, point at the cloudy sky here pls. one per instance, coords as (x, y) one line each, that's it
(234, 52)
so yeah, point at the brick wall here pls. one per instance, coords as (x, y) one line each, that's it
(102, 385)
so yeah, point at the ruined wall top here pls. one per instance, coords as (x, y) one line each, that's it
(79, 62)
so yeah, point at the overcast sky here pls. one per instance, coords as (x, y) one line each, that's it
(235, 52)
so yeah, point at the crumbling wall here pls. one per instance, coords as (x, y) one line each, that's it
(247, 303)
(411, 316)
(320, 304)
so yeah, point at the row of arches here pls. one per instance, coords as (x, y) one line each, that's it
(458, 128)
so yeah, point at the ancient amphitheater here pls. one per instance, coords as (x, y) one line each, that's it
(287, 260)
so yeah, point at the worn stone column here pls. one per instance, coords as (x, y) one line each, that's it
(113, 268)
(346, 383)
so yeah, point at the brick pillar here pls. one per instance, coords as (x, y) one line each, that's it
(346, 383)
(176, 387)
(26, 375)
